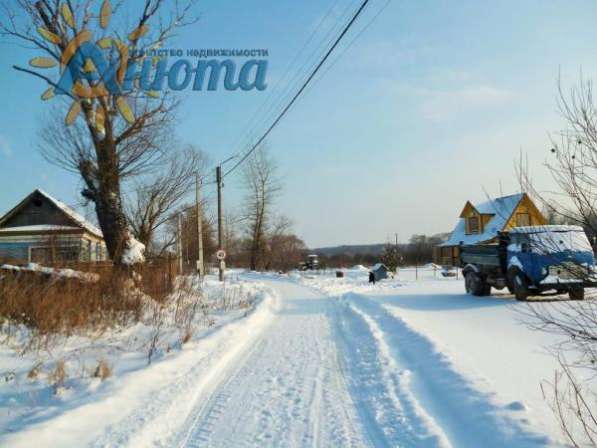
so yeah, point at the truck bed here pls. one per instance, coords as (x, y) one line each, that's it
(481, 255)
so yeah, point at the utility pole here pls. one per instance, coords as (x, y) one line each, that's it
(222, 264)
(179, 244)
(200, 269)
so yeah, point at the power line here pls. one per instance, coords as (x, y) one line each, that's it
(301, 75)
(350, 44)
(250, 129)
(252, 123)
(303, 72)
(302, 89)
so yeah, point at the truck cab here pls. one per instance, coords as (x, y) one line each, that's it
(532, 260)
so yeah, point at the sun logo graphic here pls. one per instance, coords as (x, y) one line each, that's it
(85, 71)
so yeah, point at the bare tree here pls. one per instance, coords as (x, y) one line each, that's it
(156, 198)
(117, 134)
(572, 162)
(570, 395)
(573, 167)
(261, 185)
(284, 249)
(391, 257)
(232, 240)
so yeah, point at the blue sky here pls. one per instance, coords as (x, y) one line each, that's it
(429, 107)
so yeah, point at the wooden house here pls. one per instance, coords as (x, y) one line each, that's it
(41, 229)
(480, 224)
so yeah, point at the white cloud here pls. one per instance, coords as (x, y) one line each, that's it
(5, 148)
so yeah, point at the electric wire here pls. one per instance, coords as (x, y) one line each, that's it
(302, 89)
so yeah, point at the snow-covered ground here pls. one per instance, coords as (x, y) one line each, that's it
(34, 406)
(472, 364)
(313, 361)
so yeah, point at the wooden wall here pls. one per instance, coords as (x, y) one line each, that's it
(39, 211)
(527, 206)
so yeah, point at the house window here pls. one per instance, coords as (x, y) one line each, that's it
(40, 255)
(523, 219)
(52, 254)
(473, 224)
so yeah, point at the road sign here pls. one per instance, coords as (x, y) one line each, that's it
(221, 254)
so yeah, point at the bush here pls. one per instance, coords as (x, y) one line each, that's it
(60, 304)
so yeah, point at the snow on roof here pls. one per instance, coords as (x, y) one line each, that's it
(72, 214)
(379, 266)
(500, 208)
(547, 228)
(38, 228)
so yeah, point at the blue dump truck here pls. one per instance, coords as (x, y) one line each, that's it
(531, 261)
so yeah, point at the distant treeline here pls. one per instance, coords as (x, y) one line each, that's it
(418, 250)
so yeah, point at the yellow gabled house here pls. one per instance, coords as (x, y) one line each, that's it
(480, 224)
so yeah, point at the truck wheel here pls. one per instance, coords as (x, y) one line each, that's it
(486, 289)
(468, 282)
(521, 286)
(577, 294)
(475, 285)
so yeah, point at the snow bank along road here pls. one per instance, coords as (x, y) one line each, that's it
(304, 369)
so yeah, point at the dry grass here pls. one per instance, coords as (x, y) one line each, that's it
(186, 337)
(103, 370)
(58, 377)
(53, 305)
(34, 372)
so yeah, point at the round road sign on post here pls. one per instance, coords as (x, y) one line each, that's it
(221, 254)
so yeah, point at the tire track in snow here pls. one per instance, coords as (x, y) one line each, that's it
(288, 391)
(196, 429)
(466, 416)
(158, 418)
(388, 412)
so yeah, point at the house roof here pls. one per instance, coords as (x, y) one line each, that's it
(501, 210)
(38, 228)
(77, 219)
(379, 266)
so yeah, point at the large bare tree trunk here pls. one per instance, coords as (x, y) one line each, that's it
(108, 134)
(110, 212)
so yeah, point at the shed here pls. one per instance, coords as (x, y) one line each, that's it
(42, 229)
(380, 271)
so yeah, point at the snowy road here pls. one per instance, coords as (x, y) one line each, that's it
(288, 389)
(305, 369)
(329, 372)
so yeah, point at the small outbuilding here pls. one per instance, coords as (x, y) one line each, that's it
(380, 271)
